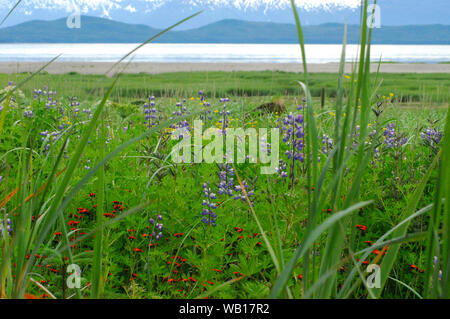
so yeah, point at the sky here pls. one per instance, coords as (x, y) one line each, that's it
(162, 13)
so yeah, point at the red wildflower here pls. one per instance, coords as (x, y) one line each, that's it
(361, 227)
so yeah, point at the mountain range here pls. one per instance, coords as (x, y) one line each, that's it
(101, 30)
(162, 13)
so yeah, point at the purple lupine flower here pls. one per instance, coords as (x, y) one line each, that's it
(8, 224)
(392, 139)
(281, 170)
(51, 98)
(202, 95)
(293, 135)
(181, 111)
(37, 93)
(206, 107)
(226, 179)
(209, 216)
(50, 138)
(151, 112)
(431, 137)
(265, 146)
(182, 126)
(327, 144)
(28, 113)
(224, 113)
(241, 196)
(156, 227)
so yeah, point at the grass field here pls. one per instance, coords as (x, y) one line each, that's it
(427, 89)
(210, 256)
(98, 200)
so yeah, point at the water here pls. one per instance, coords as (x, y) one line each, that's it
(243, 53)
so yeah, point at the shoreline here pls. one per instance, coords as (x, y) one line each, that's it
(158, 68)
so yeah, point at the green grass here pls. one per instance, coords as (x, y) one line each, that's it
(409, 87)
(178, 198)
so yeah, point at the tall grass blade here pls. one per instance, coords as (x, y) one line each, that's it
(307, 242)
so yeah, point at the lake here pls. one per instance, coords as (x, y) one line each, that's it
(248, 53)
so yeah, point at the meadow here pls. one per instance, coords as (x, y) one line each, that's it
(93, 206)
(422, 89)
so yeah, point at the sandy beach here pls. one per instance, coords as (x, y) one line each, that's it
(156, 68)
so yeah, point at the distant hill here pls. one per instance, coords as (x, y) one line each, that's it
(99, 30)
